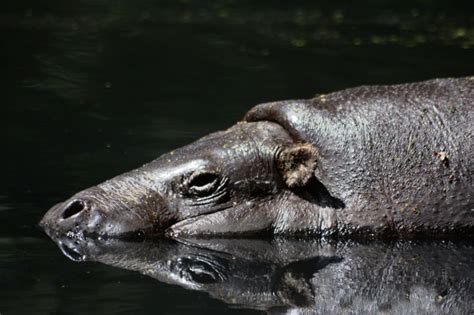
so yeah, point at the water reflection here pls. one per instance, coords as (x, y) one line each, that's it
(280, 275)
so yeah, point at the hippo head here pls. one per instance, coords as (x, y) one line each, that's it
(244, 180)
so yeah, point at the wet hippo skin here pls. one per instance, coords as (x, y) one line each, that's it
(371, 161)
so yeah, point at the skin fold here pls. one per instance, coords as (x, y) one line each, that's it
(371, 161)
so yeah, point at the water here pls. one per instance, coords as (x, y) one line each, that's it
(91, 89)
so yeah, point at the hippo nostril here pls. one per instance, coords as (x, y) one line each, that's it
(73, 208)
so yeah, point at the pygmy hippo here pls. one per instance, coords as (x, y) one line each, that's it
(377, 161)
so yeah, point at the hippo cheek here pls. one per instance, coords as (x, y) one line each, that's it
(241, 220)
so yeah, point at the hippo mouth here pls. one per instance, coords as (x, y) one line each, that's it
(176, 228)
(66, 221)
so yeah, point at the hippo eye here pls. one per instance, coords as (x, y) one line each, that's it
(203, 183)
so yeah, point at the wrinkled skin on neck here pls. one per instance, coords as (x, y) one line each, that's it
(400, 157)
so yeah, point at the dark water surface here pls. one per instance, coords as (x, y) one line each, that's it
(90, 89)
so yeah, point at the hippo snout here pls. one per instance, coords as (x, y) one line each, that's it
(75, 216)
(96, 214)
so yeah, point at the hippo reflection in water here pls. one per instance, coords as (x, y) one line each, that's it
(369, 161)
(403, 277)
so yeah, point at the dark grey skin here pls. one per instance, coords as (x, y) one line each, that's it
(291, 276)
(372, 161)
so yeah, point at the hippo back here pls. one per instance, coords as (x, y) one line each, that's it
(400, 157)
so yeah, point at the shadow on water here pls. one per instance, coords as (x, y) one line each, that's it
(403, 277)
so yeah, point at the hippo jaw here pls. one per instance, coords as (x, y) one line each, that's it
(249, 179)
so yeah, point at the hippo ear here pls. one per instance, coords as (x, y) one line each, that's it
(297, 164)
